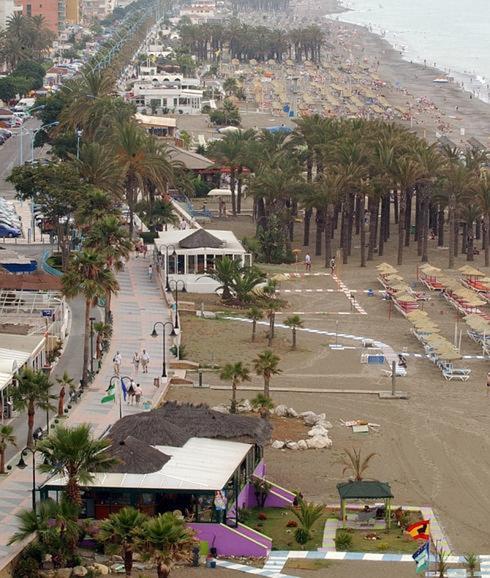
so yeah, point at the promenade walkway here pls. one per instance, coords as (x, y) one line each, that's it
(137, 306)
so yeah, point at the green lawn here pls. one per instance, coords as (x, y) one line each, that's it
(275, 526)
(393, 541)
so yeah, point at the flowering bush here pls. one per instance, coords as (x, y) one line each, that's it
(292, 524)
(262, 516)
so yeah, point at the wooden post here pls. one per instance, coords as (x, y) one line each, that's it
(393, 377)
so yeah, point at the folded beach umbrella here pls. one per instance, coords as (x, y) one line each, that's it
(405, 298)
(471, 271)
(450, 356)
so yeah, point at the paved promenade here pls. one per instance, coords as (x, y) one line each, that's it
(137, 306)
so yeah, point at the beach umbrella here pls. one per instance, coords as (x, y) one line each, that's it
(471, 271)
(450, 356)
(394, 277)
(405, 298)
(428, 268)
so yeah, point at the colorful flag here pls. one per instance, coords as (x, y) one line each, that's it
(110, 394)
(419, 530)
(421, 557)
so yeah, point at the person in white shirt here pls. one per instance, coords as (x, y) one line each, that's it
(145, 360)
(117, 360)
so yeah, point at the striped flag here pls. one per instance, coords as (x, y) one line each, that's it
(421, 557)
(110, 394)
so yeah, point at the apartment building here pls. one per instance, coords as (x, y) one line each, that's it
(52, 10)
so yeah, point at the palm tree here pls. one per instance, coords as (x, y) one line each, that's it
(263, 404)
(237, 373)
(157, 214)
(7, 438)
(294, 321)
(255, 314)
(225, 271)
(32, 392)
(89, 276)
(266, 365)
(307, 515)
(55, 526)
(471, 214)
(471, 561)
(75, 454)
(482, 190)
(95, 206)
(168, 541)
(354, 462)
(124, 529)
(98, 167)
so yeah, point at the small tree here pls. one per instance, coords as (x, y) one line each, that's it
(471, 560)
(7, 439)
(236, 373)
(124, 529)
(262, 489)
(353, 461)
(294, 321)
(263, 404)
(265, 364)
(308, 514)
(254, 313)
(168, 541)
(32, 392)
(441, 560)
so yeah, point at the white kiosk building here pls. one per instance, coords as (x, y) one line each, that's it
(187, 255)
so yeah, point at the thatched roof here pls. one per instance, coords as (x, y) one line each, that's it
(136, 457)
(200, 238)
(173, 424)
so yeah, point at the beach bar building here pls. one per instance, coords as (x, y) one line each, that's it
(188, 254)
(179, 458)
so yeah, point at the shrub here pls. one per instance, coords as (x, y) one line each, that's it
(148, 237)
(244, 515)
(382, 547)
(301, 536)
(343, 541)
(262, 516)
(292, 524)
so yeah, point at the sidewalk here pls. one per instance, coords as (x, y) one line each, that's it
(137, 306)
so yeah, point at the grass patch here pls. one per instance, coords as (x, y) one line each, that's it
(393, 541)
(304, 564)
(54, 261)
(275, 526)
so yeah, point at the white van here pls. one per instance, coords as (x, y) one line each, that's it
(24, 104)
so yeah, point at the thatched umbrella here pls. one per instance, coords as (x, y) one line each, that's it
(150, 428)
(136, 457)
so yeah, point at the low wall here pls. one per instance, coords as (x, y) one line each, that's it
(231, 541)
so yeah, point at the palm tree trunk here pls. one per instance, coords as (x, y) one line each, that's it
(254, 329)
(425, 231)
(233, 397)
(328, 237)
(73, 492)
(361, 204)
(440, 227)
(239, 190)
(266, 386)
(128, 561)
(306, 225)
(373, 217)
(233, 192)
(319, 229)
(470, 256)
(86, 340)
(451, 234)
(401, 224)
(294, 337)
(487, 237)
(31, 412)
(163, 571)
(408, 217)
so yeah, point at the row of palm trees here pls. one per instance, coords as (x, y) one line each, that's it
(356, 177)
(210, 41)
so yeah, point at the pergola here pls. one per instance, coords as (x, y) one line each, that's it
(365, 490)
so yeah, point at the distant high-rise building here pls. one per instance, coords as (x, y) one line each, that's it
(72, 11)
(7, 8)
(52, 10)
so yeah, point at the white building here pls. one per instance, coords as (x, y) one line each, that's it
(187, 255)
(7, 9)
(180, 95)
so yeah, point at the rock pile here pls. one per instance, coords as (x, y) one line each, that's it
(317, 436)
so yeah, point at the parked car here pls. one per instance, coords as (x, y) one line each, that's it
(6, 231)
(3, 139)
(6, 132)
(22, 115)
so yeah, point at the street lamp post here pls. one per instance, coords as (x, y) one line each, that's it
(79, 136)
(177, 326)
(164, 341)
(22, 465)
(174, 254)
(121, 378)
(92, 319)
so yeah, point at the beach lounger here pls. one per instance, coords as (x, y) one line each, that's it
(452, 375)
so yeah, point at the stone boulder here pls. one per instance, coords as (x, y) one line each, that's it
(324, 423)
(292, 412)
(101, 569)
(292, 445)
(47, 573)
(277, 445)
(244, 406)
(222, 408)
(63, 572)
(319, 442)
(79, 571)
(302, 445)
(281, 410)
(318, 430)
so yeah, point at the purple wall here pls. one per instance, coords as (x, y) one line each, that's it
(231, 541)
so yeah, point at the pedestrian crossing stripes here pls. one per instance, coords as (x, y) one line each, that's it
(272, 573)
(485, 566)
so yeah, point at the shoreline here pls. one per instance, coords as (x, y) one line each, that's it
(463, 79)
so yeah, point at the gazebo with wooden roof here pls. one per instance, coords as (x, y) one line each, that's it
(365, 490)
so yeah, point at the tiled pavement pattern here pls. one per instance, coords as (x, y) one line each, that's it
(137, 306)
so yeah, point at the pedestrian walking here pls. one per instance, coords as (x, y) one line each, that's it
(145, 250)
(145, 361)
(136, 362)
(332, 265)
(150, 271)
(307, 262)
(117, 360)
(131, 392)
(138, 392)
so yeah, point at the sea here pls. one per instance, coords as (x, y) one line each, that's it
(453, 35)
